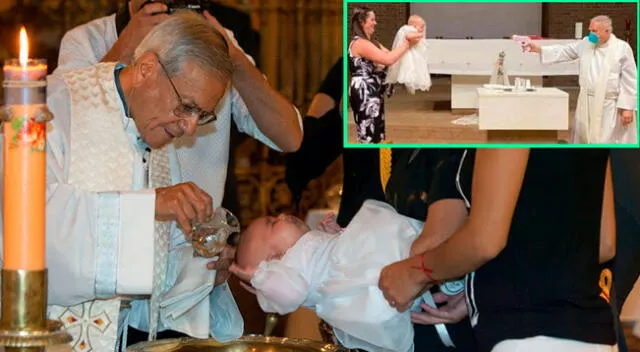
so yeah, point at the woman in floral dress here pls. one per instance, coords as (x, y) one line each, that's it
(367, 62)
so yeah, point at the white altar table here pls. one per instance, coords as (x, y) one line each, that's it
(537, 115)
(471, 62)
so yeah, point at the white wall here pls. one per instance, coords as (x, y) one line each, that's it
(479, 20)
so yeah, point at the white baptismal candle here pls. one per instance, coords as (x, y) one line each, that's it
(578, 30)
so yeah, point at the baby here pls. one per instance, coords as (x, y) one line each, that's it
(412, 69)
(289, 265)
(417, 22)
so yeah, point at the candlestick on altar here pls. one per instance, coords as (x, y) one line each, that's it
(23, 323)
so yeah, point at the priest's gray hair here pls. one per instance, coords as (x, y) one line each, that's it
(605, 22)
(187, 36)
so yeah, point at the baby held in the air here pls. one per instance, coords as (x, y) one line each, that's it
(412, 69)
(336, 275)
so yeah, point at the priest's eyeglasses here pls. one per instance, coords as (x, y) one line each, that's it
(188, 110)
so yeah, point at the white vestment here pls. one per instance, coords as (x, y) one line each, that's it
(607, 83)
(412, 69)
(192, 306)
(100, 225)
(337, 276)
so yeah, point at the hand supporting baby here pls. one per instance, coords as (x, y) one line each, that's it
(452, 312)
(414, 37)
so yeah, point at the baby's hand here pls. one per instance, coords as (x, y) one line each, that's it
(244, 274)
(329, 224)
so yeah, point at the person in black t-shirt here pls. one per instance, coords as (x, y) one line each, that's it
(410, 191)
(543, 289)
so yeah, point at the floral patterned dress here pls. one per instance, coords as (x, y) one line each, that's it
(366, 96)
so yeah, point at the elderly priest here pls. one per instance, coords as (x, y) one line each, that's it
(116, 198)
(607, 102)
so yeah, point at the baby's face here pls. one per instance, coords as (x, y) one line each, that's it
(418, 24)
(269, 237)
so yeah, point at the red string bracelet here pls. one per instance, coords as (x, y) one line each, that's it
(427, 272)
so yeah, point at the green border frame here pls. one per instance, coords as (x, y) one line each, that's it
(345, 97)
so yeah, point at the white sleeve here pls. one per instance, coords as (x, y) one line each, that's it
(628, 81)
(245, 122)
(75, 52)
(280, 288)
(240, 112)
(552, 54)
(98, 244)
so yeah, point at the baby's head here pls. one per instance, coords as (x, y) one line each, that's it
(417, 22)
(268, 238)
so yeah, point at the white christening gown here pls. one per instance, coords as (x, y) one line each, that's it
(337, 276)
(412, 69)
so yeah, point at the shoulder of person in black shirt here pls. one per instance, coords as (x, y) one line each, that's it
(320, 147)
(322, 142)
(452, 176)
(333, 84)
(412, 177)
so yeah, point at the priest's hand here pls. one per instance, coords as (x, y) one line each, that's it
(222, 264)
(401, 283)
(626, 116)
(453, 312)
(183, 202)
(141, 23)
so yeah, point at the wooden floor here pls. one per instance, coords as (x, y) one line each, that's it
(426, 117)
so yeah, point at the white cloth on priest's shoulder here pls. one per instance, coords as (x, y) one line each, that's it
(412, 69)
(337, 276)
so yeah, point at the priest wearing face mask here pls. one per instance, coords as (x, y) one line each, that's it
(606, 107)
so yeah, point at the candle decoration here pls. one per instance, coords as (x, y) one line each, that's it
(23, 324)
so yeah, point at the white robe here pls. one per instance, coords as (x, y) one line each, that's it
(607, 83)
(201, 159)
(100, 225)
(337, 276)
(412, 69)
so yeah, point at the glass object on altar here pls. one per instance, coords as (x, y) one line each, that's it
(499, 76)
(210, 237)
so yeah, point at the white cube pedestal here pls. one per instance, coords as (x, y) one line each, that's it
(464, 90)
(523, 116)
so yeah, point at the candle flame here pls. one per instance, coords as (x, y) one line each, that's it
(24, 47)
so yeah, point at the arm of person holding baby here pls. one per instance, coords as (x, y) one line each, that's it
(497, 179)
(367, 49)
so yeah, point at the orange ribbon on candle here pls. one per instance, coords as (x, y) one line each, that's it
(24, 162)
